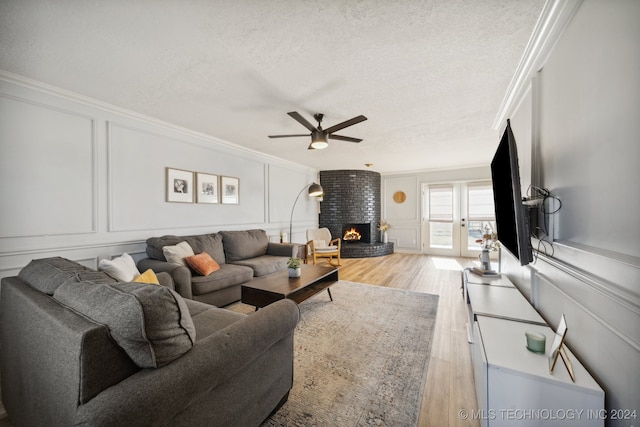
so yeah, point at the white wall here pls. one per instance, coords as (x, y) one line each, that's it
(406, 218)
(581, 107)
(84, 180)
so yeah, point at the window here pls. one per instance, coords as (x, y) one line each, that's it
(480, 213)
(441, 216)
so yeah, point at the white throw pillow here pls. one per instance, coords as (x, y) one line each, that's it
(122, 268)
(176, 254)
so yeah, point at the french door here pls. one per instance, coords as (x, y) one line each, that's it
(454, 216)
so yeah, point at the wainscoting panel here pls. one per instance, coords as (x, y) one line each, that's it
(284, 186)
(138, 159)
(408, 209)
(48, 174)
(405, 238)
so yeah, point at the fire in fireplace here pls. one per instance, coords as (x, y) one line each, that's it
(352, 233)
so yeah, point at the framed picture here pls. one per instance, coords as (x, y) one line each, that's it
(179, 186)
(558, 349)
(207, 188)
(230, 189)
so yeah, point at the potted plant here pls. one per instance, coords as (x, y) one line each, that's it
(294, 267)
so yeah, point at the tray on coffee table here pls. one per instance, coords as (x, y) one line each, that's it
(262, 291)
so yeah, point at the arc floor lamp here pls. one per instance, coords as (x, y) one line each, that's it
(315, 190)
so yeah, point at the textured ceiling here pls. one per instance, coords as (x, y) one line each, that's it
(430, 75)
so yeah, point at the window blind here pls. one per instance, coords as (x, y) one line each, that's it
(441, 203)
(480, 202)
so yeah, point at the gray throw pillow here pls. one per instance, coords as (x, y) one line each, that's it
(151, 323)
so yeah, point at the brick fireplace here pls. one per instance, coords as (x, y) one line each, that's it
(352, 200)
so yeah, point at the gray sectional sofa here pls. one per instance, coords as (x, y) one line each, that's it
(80, 348)
(241, 255)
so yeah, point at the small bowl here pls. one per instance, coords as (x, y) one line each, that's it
(536, 342)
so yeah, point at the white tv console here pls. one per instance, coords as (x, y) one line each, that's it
(513, 384)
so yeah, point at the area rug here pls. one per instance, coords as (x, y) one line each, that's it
(361, 359)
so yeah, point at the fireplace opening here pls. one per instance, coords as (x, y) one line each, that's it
(353, 233)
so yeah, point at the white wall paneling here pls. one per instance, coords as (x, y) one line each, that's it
(405, 238)
(48, 169)
(582, 115)
(403, 217)
(410, 208)
(285, 183)
(588, 123)
(86, 181)
(138, 185)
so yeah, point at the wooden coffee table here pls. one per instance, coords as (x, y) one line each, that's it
(262, 291)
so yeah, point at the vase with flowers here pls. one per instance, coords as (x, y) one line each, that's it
(488, 243)
(383, 226)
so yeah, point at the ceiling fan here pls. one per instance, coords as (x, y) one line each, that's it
(320, 137)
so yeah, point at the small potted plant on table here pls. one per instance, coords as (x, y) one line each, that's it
(294, 267)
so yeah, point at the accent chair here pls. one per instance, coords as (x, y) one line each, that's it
(321, 245)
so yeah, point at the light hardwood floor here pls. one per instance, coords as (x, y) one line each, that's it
(449, 388)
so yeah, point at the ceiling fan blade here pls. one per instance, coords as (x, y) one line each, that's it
(296, 116)
(288, 136)
(344, 138)
(348, 123)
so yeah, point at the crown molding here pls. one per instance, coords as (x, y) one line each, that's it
(555, 16)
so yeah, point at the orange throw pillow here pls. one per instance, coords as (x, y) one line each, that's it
(202, 264)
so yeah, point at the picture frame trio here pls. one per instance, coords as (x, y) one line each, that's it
(184, 186)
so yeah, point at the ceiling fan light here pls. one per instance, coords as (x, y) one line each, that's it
(319, 140)
(319, 145)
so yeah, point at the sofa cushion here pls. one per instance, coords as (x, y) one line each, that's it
(122, 268)
(202, 264)
(151, 323)
(209, 319)
(209, 243)
(46, 274)
(177, 253)
(265, 264)
(239, 245)
(228, 275)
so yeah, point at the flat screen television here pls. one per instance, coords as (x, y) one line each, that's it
(512, 216)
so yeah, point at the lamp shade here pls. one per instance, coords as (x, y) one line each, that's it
(315, 190)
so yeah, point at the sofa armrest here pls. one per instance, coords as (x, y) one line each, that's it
(165, 279)
(284, 249)
(154, 396)
(180, 274)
